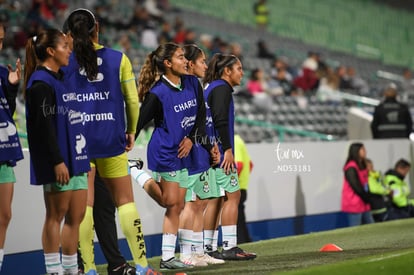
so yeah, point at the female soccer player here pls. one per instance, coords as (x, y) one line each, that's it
(201, 182)
(103, 80)
(174, 100)
(57, 145)
(10, 149)
(223, 73)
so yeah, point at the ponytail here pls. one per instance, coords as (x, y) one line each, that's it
(147, 77)
(30, 62)
(82, 26)
(154, 67)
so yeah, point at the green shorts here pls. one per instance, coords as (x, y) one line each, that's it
(202, 185)
(79, 182)
(228, 183)
(7, 174)
(112, 167)
(179, 176)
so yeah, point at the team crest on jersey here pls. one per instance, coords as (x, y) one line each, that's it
(233, 181)
(206, 187)
(172, 174)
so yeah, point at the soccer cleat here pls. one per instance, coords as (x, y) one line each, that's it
(215, 254)
(211, 260)
(173, 263)
(237, 254)
(138, 163)
(146, 270)
(124, 269)
(194, 260)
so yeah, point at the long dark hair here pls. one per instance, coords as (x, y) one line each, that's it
(36, 51)
(82, 26)
(216, 66)
(353, 154)
(154, 67)
(192, 52)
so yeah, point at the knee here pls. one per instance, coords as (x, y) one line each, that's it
(5, 218)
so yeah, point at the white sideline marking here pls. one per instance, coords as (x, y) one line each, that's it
(388, 257)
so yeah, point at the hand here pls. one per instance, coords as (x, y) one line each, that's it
(62, 173)
(215, 155)
(228, 162)
(15, 76)
(130, 141)
(184, 147)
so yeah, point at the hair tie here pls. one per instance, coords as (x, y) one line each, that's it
(34, 38)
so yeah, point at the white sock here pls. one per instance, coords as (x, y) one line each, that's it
(229, 236)
(168, 246)
(198, 243)
(70, 263)
(185, 237)
(215, 240)
(208, 240)
(1, 257)
(52, 262)
(140, 176)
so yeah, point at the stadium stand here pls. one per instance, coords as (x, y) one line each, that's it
(343, 33)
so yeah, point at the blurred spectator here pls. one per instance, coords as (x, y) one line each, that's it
(257, 86)
(237, 50)
(391, 119)
(165, 33)
(281, 63)
(354, 198)
(328, 86)
(261, 12)
(281, 83)
(263, 51)
(123, 44)
(342, 75)
(378, 193)
(407, 85)
(308, 79)
(206, 44)
(190, 37)
(358, 84)
(180, 31)
(402, 205)
(152, 7)
(218, 45)
(149, 38)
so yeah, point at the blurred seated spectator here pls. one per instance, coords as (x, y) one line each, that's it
(281, 83)
(357, 83)
(263, 51)
(344, 81)
(407, 86)
(281, 63)
(149, 37)
(237, 50)
(328, 87)
(165, 33)
(402, 206)
(257, 86)
(190, 36)
(307, 79)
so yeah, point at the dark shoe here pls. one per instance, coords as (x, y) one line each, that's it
(138, 163)
(215, 254)
(237, 254)
(124, 269)
(173, 263)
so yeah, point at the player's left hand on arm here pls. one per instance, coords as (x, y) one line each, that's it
(16, 75)
(130, 141)
(228, 162)
(184, 147)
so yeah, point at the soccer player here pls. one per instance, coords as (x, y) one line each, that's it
(103, 80)
(10, 149)
(58, 156)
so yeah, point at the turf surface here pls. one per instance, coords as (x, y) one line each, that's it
(382, 248)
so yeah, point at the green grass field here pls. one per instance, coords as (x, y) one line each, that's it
(382, 248)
